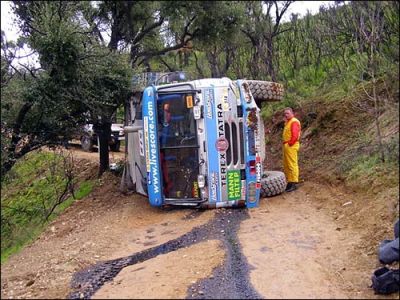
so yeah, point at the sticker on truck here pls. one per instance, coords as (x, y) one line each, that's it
(234, 185)
(258, 171)
(224, 99)
(141, 143)
(209, 103)
(151, 148)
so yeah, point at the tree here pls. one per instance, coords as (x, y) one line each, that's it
(80, 80)
(370, 23)
(261, 29)
(366, 28)
(151, 29)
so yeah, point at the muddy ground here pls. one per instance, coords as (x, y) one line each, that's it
(319, 241)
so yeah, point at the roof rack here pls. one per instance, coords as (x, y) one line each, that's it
(143, 80)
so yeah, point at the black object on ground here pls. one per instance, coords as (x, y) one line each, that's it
(290, 187)
(385, 281)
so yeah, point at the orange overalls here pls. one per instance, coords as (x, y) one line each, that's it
(291, 146)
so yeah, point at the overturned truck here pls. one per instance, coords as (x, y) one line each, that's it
(198, 143)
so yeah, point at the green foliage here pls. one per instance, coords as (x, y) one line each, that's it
(367, 171)
(29, 190)
(268, 109)
(80, 79)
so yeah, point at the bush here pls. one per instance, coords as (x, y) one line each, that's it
(33, 194)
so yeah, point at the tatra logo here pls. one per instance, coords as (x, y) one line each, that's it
(222, 140)
(221, 131)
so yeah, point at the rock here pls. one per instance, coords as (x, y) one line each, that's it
(30, 282)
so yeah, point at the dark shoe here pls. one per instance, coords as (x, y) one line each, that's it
(290, 187)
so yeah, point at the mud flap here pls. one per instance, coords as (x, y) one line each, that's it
(127, 183)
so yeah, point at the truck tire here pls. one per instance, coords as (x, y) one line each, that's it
(115, 147)
(265, 91)
(272, 183)
(87, 143)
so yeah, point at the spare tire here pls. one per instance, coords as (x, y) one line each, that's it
(272, 183)
(267, 91)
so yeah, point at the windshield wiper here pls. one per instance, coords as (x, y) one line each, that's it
(188, 138)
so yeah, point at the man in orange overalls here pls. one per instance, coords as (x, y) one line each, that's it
(291, 146)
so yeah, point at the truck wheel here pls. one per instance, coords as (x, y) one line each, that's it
(115, 147)
(272, 183)
(265, 91)
(86, 143)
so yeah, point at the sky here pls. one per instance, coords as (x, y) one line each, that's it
(11, 31)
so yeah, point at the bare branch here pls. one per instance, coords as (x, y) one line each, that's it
(29, 70)
(143, 33)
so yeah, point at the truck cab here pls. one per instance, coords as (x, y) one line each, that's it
(196, 143)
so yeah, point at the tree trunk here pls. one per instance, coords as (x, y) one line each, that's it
(15, 138)
(376, 105)
(213, 62)
(270, 60)
(103, 132)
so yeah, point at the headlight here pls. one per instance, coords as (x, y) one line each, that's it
(201, 180)
(197, 112)
(252, 192)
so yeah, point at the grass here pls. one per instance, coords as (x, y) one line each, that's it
(28, 192)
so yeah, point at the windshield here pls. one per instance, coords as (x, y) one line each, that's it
(176, 120)
(178, 145)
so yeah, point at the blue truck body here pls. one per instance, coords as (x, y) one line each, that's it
(197, 143)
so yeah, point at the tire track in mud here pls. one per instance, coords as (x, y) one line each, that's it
(231, 280)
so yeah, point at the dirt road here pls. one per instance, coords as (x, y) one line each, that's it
(304, 244)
